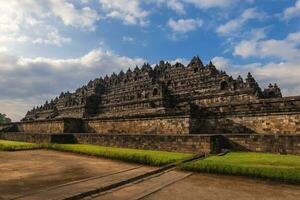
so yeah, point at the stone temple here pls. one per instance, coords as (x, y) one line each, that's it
(169, 99)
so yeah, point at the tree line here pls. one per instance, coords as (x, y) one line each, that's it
(4, 119)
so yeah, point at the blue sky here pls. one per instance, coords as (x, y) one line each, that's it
(49, 46)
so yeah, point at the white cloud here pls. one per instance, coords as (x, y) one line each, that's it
(292, 11)
(27, 80)
(283, 49)
(82, 18)
(235, 24)
(129, 11)
(180, 60)
(14, 13)
(221, 62)
(13, 38)
(176, 5)
(133, 12)
(179, 5)
(294, 38)
(184, 25)
(17, 108)
(84, 1)
(246, 49)
(285, 74)
(51, 37)
(256, 34)
(18, 19)
(3, 49)
(278, 48)
(210, 3)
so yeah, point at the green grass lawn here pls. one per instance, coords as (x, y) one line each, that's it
(15, 146)
(147, 157)
(260, 165)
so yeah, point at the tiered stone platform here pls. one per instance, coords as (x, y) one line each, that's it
(193, 108)
(283, 144)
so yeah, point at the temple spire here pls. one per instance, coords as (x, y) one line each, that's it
(195, 62)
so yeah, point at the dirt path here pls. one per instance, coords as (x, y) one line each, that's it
(211, 187)
(43, 174)
(29, 171)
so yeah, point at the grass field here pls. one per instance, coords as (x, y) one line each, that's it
(260, 165)
(154, 158)
(15, 146)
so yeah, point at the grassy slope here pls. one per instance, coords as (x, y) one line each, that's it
(261, 165)
(155, 158)
(15, 146)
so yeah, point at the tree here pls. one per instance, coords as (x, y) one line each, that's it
(4, 119)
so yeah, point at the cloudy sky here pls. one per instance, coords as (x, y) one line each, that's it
(49, 46)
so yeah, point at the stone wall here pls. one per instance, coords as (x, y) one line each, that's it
(262, 124)
(263, 116)
(187, 144)
(177, 125)
(26, 137)
(267, 123)
(39, 138)
(284, 144)
(51, 126)
(73, 125)
(66, 125)
(9, 127)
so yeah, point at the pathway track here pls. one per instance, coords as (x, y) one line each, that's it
(143, 188)
(139, 178)
(57, 175)
(70, 184)
(80, 188)
(96, 186)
